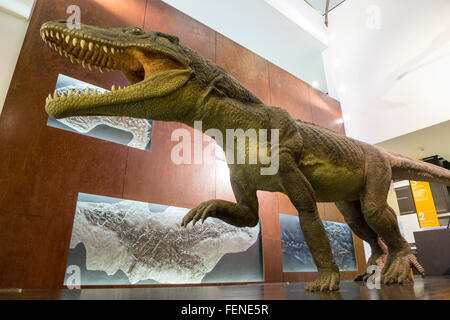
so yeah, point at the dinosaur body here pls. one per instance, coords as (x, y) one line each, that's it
(171, 82)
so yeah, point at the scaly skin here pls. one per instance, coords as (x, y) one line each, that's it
(171, 82)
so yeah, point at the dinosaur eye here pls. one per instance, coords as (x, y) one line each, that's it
(134, 30)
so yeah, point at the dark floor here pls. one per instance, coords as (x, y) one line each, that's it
(430, 288)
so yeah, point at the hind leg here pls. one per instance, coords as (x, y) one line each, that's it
(382, 219)
(351, 210)
(301, 194)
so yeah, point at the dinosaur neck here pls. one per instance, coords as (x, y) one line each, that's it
(221, 114)
(200, 110)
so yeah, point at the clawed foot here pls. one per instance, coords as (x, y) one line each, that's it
(377, 258)
(327, 281)
(202, 211)
(397, 268)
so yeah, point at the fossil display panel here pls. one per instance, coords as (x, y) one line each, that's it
(295, 251)
(132, 132)
(120, 242)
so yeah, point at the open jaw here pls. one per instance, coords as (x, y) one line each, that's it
(139, 60)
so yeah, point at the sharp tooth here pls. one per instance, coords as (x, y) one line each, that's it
(86, 91)
(91, 46)
(51, 33)
(83, 64)
(71, 59)
(105, 48)
(113, 87)
(46, 33)
(69, 94)
(57, 35)
(62, 96)
(89, 67)
(95, 91)
(55, 95)
(60, 52)
(100, 69)
(49, 96)
(74, 41)
(82, 43)
(62, 35)
(112, 50)
(77, 93)
(67, 38)
(120, 87)
(66, 55)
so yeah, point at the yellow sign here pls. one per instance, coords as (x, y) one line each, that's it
(426, 211)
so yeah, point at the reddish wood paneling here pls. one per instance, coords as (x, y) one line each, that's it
(154, 177)
(290, 93)
(247, 67)
(43, 169)
(164, 18)
(326, 111)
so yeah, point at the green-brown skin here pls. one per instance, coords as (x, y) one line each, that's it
(171, 82)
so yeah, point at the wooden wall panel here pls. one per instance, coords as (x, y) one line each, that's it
(290, 93)
(247, 67)
(326, 111)
(43, 169)
(164, 18)
(153, 177)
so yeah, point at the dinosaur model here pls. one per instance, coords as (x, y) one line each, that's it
(171, 82)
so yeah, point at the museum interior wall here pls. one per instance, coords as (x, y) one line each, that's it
(43, 169)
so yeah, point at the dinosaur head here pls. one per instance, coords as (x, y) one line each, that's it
(153, 62)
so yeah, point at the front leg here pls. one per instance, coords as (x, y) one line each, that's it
(244, 213)
(301, 194)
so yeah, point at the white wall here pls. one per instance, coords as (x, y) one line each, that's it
(395, 79)
(13, 26)
(293, 42)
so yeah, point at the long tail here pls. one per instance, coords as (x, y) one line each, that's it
(409, 169)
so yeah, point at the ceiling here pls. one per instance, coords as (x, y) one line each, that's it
(18, 8)
(422, 143)
(320, 5)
